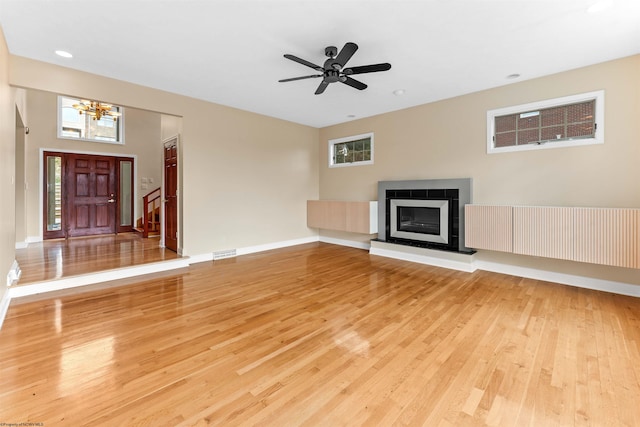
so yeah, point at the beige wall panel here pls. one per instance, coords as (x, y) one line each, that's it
(543, 231)
(489, 227)
(608, 236)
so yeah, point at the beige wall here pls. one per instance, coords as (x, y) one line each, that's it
(170, 126)
(7, 167)
(447, 139)
(245, 177)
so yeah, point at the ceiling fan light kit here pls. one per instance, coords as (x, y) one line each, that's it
(333, 69)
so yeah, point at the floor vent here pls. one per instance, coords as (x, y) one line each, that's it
(230, 253)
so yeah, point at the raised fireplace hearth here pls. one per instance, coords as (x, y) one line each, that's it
(424, 213)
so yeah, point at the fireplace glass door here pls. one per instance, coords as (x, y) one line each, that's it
(423, 220)
(419, 220)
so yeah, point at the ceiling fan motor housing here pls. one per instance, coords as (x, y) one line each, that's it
(331, 51)
(331, 76)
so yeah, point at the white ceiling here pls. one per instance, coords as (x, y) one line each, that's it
(231, 52)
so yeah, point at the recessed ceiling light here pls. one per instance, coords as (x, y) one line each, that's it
(513, 76)
(398, 92)
(64, 54)
(599, 6)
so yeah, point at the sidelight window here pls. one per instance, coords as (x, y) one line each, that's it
(54, 192)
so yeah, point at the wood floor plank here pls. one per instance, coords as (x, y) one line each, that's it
(62, 258)
(323, 335)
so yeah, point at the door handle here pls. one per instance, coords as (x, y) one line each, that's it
(111, 201)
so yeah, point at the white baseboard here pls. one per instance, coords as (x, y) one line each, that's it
(342, 242)
(194, 259)
(4, 306)
(562, 278)
(33, 239)
(22, 245)
(276, 245)
(99, 277)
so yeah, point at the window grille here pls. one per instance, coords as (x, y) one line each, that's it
(568, 121)
(351, 150)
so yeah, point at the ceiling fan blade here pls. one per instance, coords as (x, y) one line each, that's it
(354, 83)
(367, 69)
(304, 62)
(300, 78)
(322, 87)
(345, 54)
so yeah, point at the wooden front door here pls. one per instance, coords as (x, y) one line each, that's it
(91, 195)
(171, 195)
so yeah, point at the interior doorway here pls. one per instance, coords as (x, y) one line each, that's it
(86, 194)
(171, 194)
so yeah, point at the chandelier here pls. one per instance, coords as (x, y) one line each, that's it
(96, 109)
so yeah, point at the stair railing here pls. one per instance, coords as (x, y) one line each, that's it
(151, 211)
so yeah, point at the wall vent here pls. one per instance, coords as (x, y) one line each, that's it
(229, 253)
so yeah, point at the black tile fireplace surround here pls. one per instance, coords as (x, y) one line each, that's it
(398, 224)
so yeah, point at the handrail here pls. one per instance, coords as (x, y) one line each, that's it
(150, 205)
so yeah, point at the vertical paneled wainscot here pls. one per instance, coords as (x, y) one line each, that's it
(607, 236)
(489, 227)
(543, 231)
(354, 217)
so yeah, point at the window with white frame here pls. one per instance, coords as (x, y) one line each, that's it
(562, 122)
(351, 150)
(74, 124)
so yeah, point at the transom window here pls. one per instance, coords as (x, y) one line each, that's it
(561, 122)
(74, 125)
(352, 150)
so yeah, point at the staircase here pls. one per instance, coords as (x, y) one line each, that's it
(149, 224)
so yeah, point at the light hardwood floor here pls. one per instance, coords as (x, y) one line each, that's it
(55, 259)
(323, 335)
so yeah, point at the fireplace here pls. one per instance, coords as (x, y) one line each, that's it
(424, 213)
(417, 219)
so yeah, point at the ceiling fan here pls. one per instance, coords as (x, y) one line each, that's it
(333, 69)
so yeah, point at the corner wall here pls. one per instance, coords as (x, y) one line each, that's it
(7, 174)
(447, 139)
